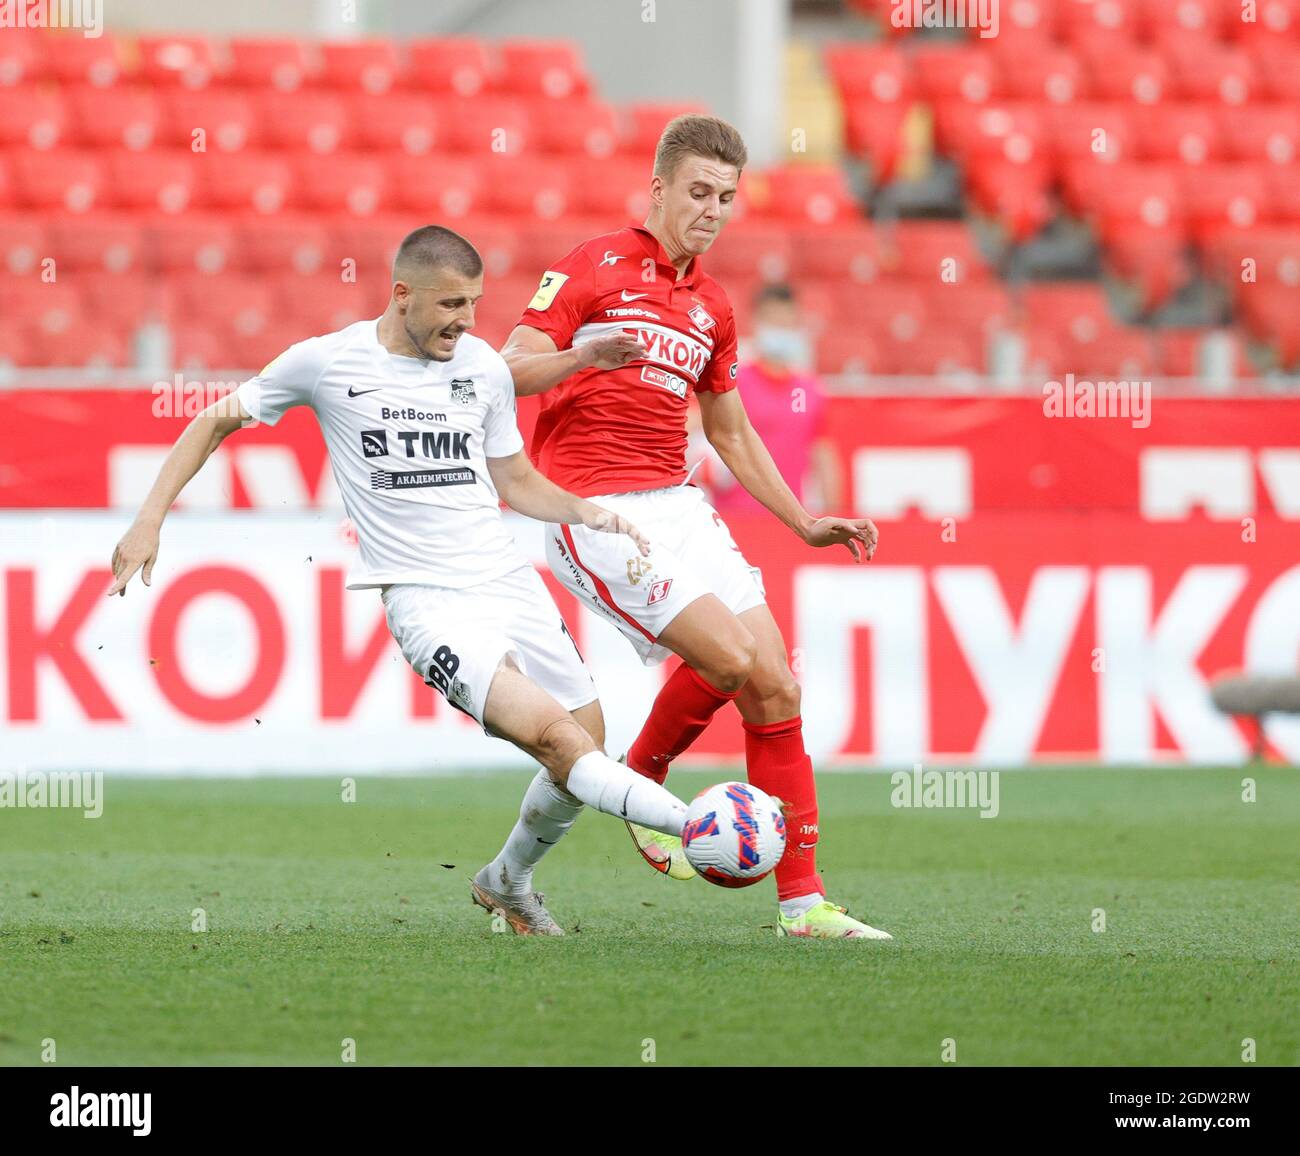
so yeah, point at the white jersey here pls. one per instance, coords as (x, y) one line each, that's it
(408, 441)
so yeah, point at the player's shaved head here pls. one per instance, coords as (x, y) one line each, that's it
(700, 136)
(433, 248)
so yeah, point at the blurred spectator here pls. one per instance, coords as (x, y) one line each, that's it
(786, 404)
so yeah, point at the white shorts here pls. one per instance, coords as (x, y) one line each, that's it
(692, 554)
(456, 639)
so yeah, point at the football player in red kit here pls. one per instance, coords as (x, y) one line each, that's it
(620, 332)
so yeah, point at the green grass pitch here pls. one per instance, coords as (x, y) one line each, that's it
(330, 920)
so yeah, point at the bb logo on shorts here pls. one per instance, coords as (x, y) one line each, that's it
(659, 591)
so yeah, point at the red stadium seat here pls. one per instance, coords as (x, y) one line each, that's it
(22, 60)
(98, 61)
(501, 307)
(1128, 73)
(498, 244)
(527, 188)
(287, 243)
(1276, 21)
(1269, 312)
(268, 62)
(120, 117)
(578, 128)
(15, 344)
(1178, 132)
(750, 250)
(126, 302)
(34, 117)
(250, 350)
(162, 181)
(643, 125)
(1148, 195)
(87, 344)
(199, 347)
(876, 132)
(803, 194)
(369, 243)
(316, 122)
(185, 61)
(6, 183)
(1119, 352)
(850, 354)
(1179, 351)
(436, 187)
(1014, 133)
(888, 309)
(1261, 133)
(939, 251)
(1097, 133)
(1092, 22)
(65, 178)
(359, 65)
(396, 122)
(955, 71)
(1019, 196)
(1154, 260)
(232, 301)
(453, 66)
(1182, 21)
(259, 181)
(351, 183)
(323, 303)
(616, 189)
(1225, 195)
(1066, 311)
(544, 244)
(227, 119)
(23, 243)
(104, 242)
(878, 73)
(1279, 67)
(934, 351)
(549, 68)
(1210, 72)
(1042, 73)
(847, 252)
(1284, 191)
(193, 243)
(974, 308)
(50, 306)
(488, 126)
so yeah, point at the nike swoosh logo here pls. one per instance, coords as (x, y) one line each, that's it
(632, 296)
(358, 392)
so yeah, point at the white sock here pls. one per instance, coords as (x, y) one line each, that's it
(612, 788)
(800, 904)
(547, 812)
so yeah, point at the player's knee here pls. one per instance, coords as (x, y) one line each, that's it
(559, 745)
(775, 689)
(733, 666)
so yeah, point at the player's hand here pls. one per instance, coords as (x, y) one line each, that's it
(608, 522)
(138, 547)
(858, 534)
(611, 351)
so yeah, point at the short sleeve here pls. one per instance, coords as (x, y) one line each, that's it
(501, 436)
(287, 381)
(563, 298)
(720, 374)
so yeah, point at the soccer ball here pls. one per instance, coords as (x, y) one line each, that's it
(734, 834)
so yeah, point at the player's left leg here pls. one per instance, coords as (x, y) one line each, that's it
(778, 763)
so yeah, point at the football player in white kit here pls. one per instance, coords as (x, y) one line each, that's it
(419, 420)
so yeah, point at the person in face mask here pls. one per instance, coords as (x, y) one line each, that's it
(786, 405)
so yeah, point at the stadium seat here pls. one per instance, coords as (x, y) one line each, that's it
(1276, 21)
(192, 243)
(1258, 132)
(578, 128)
(30, 116)
(315, 122)
(1188, 133)
(876, 132)
(1039, 73)
(485, 127)
(246, 180)
(939, 251)
(878, 73)
(504, 300)
(6, 182)
(395, 122)
(268, 62)
(750, 250)
(934, 351)
(1283, 183)
(1279, 68)
(643, 124)
(228, 301)
(1149, 195)
(458, 67)
(1068, 312)
(352, 183)
(167, 61)
(288, 243)
(15, 345)
(975, 308)
(124, 116)
(1128, 73)
(850, 354)
(549, 68)
(1100, 133)
(498, 244)
(617, 189)
(88, 344)
(226, 117)
(846, 252)
(1019, 196)
(1269, 312)
(802, 194)
(543, 244)
(22, 60)
(249, 350)
(105, 242)
(1097, 22)
(23, 243)
(1152, 260)
(323, 303)
(199, 347)
(64, 178)
(1215, 196)
(955, 72)
(1178, 351)
(1207, 71)
(126, 301)
(527, 188)
(98, 61)
(359, 65)
(163, 180)
(1118, 352)
(50, 306)
(886, 309)
(435, 187)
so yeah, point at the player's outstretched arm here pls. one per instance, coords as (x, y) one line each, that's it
(139, 545)
(524, 489)
(729, 431)
(536, 365)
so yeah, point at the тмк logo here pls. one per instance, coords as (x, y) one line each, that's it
(374, 442)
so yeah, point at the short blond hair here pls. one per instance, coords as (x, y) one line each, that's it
(699, 136)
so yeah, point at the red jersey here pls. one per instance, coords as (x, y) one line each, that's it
(607, 431)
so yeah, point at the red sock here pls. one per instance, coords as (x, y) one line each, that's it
(684, 707)
(779, 765)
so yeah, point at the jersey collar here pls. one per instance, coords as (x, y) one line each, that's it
(690, 276)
